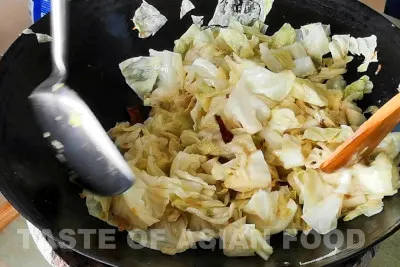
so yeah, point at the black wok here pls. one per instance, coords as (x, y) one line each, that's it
(101, 37)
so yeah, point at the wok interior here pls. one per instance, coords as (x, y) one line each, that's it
(101, 36)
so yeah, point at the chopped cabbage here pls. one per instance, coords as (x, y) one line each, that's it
(285, 36)
(317, 156)
(327, 74)
(186, 7)
(246, 12)
(296, 50)
(236, 41)
(308, 92)
(280, 59)
(290, 154)
(252, 114)
(141, 74)
(323, 216)
(161, 74)
(365, 47)
(390, 145)
(197, 20)
(275, 86)
(182, 45)
(171, 75)
(369, 208)
(254, 175)
(329, 135)
(241, 240)
(41, 37)
(271, 212)
(269, 59)
(337, 83)
(315, 41)
(240, 124)
(98, 206)
(148, 20)
(282, 120)
(340, 46)
(303, 67)
(177, 237)
(357, 89)
(284, 57)
(380, 178)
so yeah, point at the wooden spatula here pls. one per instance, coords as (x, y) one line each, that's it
(366, 138)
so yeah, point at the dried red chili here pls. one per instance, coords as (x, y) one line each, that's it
(227, 136)
(134, 115)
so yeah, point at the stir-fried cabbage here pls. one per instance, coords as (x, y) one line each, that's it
(148, 20)
(186, 7)
(246, 12)
(240, 124)
(198, 20)
(365, 47)
(41, 37)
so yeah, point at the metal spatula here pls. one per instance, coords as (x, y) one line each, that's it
(70, 125)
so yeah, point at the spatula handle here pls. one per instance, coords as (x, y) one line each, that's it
(59, 22)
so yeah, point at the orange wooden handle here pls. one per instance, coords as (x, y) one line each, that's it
(7, 215)
(367, 137)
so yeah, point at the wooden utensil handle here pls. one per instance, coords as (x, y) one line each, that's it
(7, 215)
(367, 137)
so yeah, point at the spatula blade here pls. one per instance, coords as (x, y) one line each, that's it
(79, 139)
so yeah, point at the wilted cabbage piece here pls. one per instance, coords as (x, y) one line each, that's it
(198, 20)
(303, 67)
(246, 12)
(323, 216)
(309, 92)
(369, 208)
(282, 120)
(240, 124)
(390, 145)
(330, 135)
(186, 7)
(365, 47)
(291, 155)
(380, 178)
(241, 239)
(285, 36)
(275, 86)
(340, 46)
(160, 74)
(252, 114)
(254, 175)
(148, 20)
(315, 41)
(356, 90)
(271, 212)
(236, 42)
(141, 74)
(41, 37)
(183, 43)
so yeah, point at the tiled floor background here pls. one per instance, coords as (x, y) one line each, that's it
(388, 254)
(12, 253)
(13, 19)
